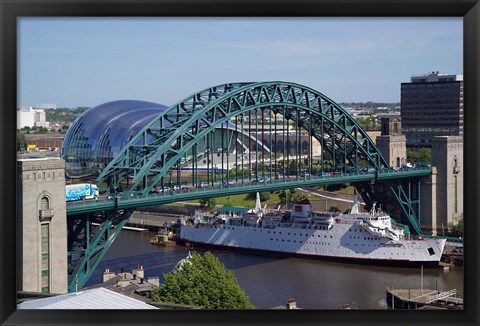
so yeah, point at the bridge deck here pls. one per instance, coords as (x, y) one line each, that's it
(134, 201)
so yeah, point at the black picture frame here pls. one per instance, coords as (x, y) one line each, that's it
(12, 9)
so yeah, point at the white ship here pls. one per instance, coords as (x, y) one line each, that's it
(360, 237)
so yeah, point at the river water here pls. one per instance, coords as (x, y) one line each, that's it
(270, 282)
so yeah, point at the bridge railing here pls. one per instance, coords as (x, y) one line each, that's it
(255, 186)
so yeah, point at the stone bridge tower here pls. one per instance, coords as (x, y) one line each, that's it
(41, 226)
(442, 192)
(391, 142)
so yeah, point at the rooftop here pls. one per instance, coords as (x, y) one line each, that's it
(98, 298)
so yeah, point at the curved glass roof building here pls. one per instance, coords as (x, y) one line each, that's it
(96, 136)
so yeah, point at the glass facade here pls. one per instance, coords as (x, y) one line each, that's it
(95, 137)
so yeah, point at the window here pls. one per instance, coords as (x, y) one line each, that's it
(45, 264)
(44, 203)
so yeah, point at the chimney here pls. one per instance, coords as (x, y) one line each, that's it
(107, 275)
(122, 283)
(139, 272)
(292, 304)
(155, 280)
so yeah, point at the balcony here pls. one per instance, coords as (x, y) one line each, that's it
(45, 214)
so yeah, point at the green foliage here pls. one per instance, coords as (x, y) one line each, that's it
(64, 114)
(238, 172)
(62, 130)
(202, 281)
(35, 130)
(334, 209)
(209, 203)
(456, 230)
(412, 156)
(21, 142)
(264, 196)
(292, 195)
(369, 123)
(336, 187)
(424, 155)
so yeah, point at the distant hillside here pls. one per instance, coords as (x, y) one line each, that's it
(64, 114)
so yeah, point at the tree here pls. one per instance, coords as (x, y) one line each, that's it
(425, 155)
(412, 156)
(291, 194)
(456, 230)
(202, 281)
(264, 196)
(21, 142)
(334, 209)
(209, 203)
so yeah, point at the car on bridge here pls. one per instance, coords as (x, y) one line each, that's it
(260, 180)
(203, 184)
(228, 182)
(118, 195)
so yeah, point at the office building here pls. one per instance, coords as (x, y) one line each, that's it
(431, 105)
(30, 117)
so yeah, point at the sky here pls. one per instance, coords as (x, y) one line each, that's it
(84, 62)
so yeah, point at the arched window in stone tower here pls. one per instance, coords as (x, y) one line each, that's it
(45, 208)
(44, 203)
(395, 128)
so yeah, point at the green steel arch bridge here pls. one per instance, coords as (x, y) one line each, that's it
(271, 147)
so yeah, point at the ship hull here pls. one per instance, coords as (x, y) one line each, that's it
(333, 259)
(342, 242)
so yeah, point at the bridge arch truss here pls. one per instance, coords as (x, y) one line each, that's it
(161, 145)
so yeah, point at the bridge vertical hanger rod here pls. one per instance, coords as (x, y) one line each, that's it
(194, 161)
(297, 138)
(256, 144)
(212, 146)
(263, 142)
(228, 152)
(334, 155)
(235, 146)
(208, 151)
(276, 142)
(250, 144)
(222, 130)
(322, 145)
(287, 142)
(271, 146)
(310, 143)
(243, 149)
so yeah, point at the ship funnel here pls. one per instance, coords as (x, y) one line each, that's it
(355, 206)
(258, 205)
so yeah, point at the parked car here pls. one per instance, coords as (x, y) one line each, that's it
(203, 185)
